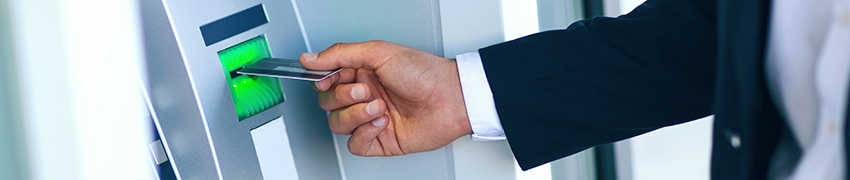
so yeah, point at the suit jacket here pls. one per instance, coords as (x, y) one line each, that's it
(667, 62)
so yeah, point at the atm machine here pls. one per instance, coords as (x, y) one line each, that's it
(212, 123)
(216, 124)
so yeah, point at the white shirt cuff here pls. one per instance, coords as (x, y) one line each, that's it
(480, 107)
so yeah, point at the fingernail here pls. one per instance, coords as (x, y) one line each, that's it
(318, 85)
(315, 84)
(381, 121)
(310, 56)
(358, 92)
(372, 107)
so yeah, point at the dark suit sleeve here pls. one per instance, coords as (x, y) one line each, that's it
(604, 79)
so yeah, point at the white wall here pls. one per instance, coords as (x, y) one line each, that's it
(78, 72)
(677, 152)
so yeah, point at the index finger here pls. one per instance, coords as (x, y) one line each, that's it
(342, 77)
(369, 55)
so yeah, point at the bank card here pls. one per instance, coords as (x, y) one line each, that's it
(284, 68)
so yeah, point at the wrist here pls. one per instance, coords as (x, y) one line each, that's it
(461, 117)
(478, 99)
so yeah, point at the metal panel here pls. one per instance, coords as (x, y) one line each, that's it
(579, 166)
(193, 104)
(425, 165)
(234, 24)
(273, 150)
(411, 23)
(466, 29)
(623, 156)
(491, 160)
(170, 93)
(612, 8)
(309, 137)
(558, 14)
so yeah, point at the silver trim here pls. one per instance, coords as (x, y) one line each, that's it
(301, 25)
(158, 152)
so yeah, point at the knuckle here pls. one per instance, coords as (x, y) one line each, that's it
(336, 46)
(341, 94)
(352, 149)
(334, 124)
(336, 129)
(323, 101)
(352, 118)
(381, 51)
(377, 42)
(325, 106)
(339, 130)
(379, 46)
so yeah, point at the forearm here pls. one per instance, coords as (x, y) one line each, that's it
(604, 79)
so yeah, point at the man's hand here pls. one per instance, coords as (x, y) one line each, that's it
(391, 99)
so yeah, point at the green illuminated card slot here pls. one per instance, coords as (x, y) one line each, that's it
(251, 94)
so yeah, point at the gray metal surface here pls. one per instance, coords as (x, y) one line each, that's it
(579, 166)
(411, 23)
(466, 29)
(169, 91)
(194, 108)
(424, 165)
(158, 152)
(309, 136)
(467, 26)
(273, 150)
(623, 155)
(558, 14)
(192, 100)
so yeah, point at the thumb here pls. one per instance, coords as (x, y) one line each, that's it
(366, 55)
